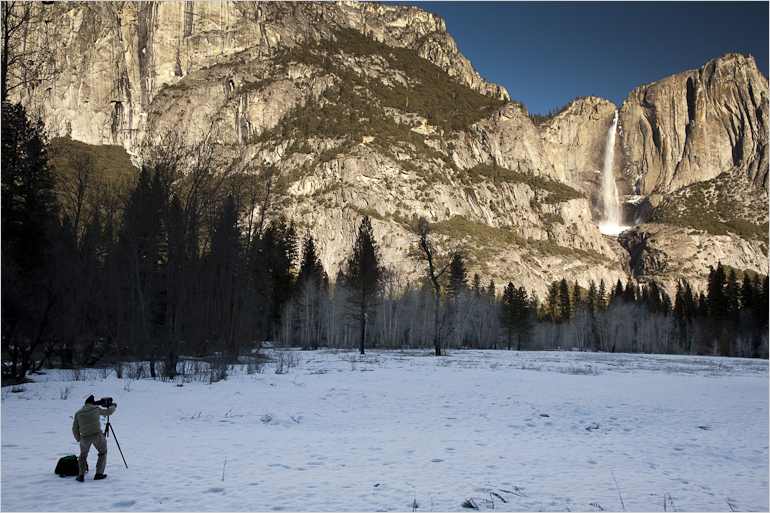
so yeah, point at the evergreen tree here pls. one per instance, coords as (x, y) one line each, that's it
(28, 204)
(747, 293)
(732, 295)
(516, 315)
(618, 290)
(363, 276)
(29, 224)
(654, 300)
(602, 298)
(629, 294)
(508, 311)
(491, 290)
(577, 297)
(565, 303)
(476, 288)
(311, 269)
(763, 307)
(702, 305)
(458, 277)
(716, 298)
(592, 298)
(225, 287)
(553, 306)
(278, 253)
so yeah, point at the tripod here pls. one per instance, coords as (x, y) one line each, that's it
(107, 429)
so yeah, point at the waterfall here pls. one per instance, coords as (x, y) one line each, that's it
(611, 224)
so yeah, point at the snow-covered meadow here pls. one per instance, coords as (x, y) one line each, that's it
(401, 431)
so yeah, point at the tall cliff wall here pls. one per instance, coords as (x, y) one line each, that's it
(696, 125)
(575, 142)
(112, 58)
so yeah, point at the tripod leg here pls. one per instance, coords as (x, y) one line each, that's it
(109, 426)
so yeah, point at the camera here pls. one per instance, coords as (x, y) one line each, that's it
(105, 402)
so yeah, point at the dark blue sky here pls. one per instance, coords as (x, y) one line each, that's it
(547, 53)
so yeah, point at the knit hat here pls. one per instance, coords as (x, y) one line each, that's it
(90, 400)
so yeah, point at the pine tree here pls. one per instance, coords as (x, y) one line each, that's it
(476, 288)
(654, 300)
(703, 310)
(278, 254)
(593, 299)
(747, 293)
(516, 315)
(508, 312)
(717, 301)
(491, 290)
(577, 297)
(553, 307)
(762, 307)
(602, 298)
(565, 303)
(732, 295)
(363, 276)
(311, 269)
(29, 223)
(28, 204)
(618, 290)
(458, 277)
(629, 294)
(224, 288)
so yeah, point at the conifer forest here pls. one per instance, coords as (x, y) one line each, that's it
(184, 260)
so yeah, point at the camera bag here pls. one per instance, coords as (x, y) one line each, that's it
(68, 466)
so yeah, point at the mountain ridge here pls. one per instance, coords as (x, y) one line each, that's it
(256, 76)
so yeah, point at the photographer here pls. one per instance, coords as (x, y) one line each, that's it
(88, 431)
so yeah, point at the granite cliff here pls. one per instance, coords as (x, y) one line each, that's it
(371, 109)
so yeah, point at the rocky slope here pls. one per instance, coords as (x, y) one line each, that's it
(371, 109)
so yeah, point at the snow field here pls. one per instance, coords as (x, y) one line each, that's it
(397, 431)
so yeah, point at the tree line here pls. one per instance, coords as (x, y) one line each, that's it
(190, 259)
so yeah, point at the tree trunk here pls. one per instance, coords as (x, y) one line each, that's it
(363, 332)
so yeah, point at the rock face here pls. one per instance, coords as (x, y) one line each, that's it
(668, 254)
(130, 72)
(576, 144)
(112, 58)
(695, 126)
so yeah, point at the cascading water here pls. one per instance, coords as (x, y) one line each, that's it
(611, 225)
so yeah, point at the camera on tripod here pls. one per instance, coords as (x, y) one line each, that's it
(105, 402)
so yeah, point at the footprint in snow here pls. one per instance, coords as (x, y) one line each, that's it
(123, 504)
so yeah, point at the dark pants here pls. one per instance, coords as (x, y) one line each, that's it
(99, 441)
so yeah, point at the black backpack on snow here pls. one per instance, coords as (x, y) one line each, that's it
(68, 466)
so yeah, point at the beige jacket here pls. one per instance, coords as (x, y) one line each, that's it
(87, 420)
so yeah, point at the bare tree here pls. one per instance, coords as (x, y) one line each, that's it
(435, 268)
(26, 46)
(78, 186)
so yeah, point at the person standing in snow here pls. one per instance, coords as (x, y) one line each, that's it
(87, 429)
